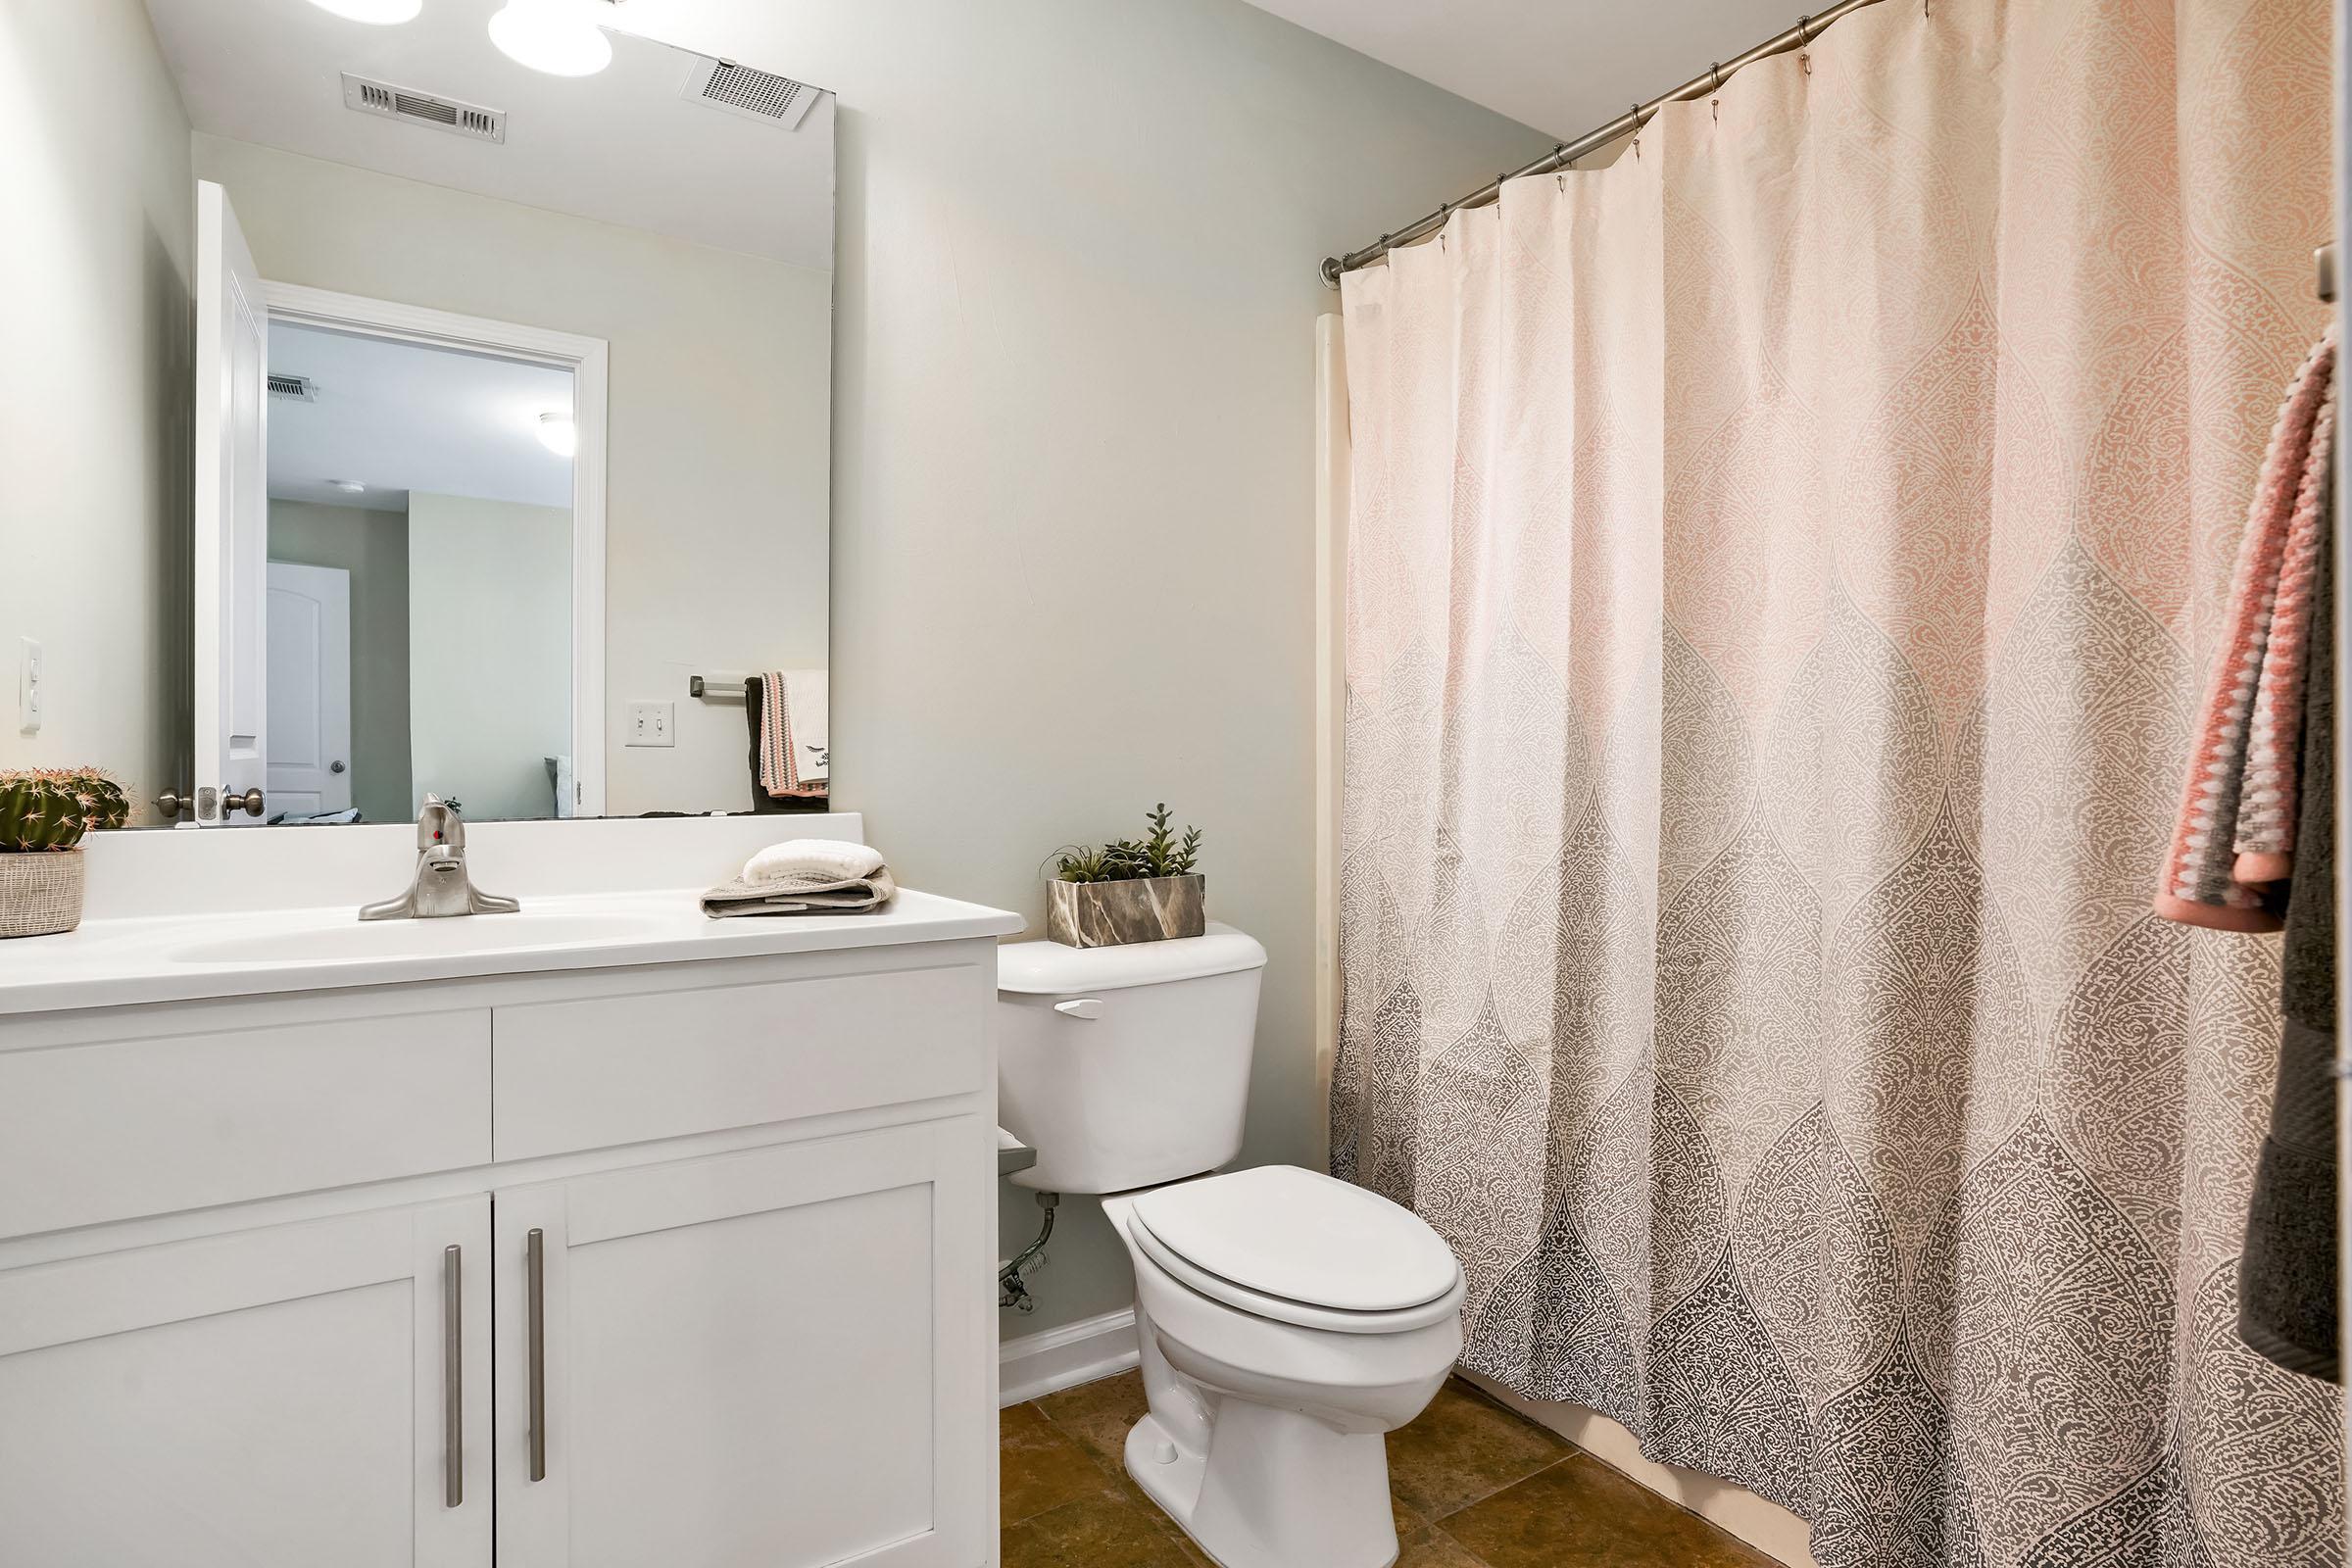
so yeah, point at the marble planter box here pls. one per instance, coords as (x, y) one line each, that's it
(1105, 914)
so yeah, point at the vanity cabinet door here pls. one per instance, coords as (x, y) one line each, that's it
(270, 1399)
(778, 1357)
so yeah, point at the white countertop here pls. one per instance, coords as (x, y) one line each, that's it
(115, 963)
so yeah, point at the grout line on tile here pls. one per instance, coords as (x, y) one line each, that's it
(1497, 1492)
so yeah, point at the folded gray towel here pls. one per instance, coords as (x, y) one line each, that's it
(811, 893)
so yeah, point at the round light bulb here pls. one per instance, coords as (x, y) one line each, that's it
(558, 434)
(557, 37)
(375, 13)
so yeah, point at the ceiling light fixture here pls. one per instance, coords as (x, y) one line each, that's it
(558, 434)
(350, 487)
(375, 13)
(557, 37)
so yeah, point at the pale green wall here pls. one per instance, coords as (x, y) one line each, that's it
(1073, 447)
(96, 384)
(489, 652)
(373, 547)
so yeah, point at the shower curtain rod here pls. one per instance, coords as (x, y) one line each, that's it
(1808, 30)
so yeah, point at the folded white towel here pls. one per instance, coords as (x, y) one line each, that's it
(836, 859)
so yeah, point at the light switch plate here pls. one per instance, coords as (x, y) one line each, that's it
(31, 700)
(652, 724)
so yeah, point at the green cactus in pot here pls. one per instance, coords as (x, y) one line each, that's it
(51, 808)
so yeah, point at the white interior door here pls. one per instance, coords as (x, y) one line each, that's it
(309, 667)
(282, 1398)
(232, 510)
(765, 1359)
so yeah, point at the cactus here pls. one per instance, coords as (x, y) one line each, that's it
(103, 801)
(50, 809)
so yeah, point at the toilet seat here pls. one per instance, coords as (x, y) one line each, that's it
(1295, 1247)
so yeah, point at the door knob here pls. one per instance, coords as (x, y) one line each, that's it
(250, 801)
(169, 805)
(335, 766)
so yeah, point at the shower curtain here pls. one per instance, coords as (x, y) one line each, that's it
(1781, 568)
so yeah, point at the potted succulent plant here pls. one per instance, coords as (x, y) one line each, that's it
(1132, 890)
(43, 814)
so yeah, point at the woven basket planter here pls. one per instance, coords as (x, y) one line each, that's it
(41, 891)
(1109, 915)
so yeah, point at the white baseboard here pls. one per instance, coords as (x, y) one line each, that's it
(1038, 1364)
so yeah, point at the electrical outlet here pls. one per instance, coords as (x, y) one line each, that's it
(651, 723)
(29, 698)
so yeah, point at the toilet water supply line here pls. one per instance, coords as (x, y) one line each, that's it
(1012, 1280)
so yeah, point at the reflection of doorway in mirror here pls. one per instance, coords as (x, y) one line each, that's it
(450, 468)
(307, 631)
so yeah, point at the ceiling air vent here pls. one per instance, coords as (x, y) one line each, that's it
(460, 119)
(301, 388)
(757, 94)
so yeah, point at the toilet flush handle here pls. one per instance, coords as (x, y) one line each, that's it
(1083, 1007)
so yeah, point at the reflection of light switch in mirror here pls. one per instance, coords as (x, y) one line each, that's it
(29, 687)
(650, 723)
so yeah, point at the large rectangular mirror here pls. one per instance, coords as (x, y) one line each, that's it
(412, 398)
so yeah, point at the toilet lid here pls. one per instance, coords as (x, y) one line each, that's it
(1283, 1232)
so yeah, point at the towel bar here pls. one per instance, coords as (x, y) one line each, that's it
(723, 687)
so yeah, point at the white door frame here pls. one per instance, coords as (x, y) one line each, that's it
(585, 358)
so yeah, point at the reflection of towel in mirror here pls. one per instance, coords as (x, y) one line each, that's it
(796, 747)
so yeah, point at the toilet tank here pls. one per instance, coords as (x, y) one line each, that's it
(1126, 1066)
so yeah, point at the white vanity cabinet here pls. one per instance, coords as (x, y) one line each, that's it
(274, 1395)
(685, 1264)
(746, 1359)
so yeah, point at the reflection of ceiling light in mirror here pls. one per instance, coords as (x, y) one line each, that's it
(377, 12)
(350, 487)
(558, 434)
(557, 37)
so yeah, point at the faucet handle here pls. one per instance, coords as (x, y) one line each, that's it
(438, 826)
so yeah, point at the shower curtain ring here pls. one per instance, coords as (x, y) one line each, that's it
(1804, 44)
(1637, 116)
(1715, 100)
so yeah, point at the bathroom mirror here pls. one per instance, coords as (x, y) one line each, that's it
(403, 400)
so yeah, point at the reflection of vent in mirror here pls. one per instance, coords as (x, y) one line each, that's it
(301, 388)
(424, 109)
(760, 94)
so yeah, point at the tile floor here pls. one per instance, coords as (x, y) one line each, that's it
(1476, 1486)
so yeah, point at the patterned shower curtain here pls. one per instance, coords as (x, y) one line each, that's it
(1781, 570)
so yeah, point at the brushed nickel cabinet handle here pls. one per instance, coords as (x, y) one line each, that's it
(534, 1255)
(453, 1377)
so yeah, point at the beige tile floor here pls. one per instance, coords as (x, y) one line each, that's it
(1475, 1486)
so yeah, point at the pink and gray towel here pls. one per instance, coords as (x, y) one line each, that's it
(2232, 851)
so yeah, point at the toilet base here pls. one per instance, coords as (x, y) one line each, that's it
(1245, 1504)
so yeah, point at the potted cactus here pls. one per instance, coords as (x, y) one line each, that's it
(43, 814)
(1131, 890)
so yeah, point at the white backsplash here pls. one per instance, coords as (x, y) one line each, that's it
(238, 870)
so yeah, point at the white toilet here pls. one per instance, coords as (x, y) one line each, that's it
(1287, 1320)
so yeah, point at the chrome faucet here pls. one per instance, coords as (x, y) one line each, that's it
(441, 886)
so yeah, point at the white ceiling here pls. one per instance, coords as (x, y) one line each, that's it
(621, 146)
(1561, 66)
(400, 417)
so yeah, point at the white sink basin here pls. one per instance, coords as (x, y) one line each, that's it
(406, 939)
